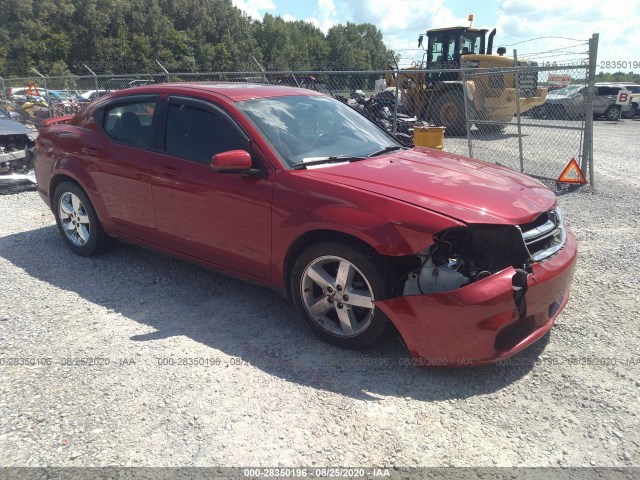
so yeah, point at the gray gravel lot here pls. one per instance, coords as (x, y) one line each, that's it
(265, 392)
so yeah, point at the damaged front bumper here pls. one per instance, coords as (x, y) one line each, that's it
(481, 323)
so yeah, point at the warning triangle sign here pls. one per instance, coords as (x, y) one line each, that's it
(32, 90)
(572, 174)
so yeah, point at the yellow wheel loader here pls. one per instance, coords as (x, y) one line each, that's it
(438, 96)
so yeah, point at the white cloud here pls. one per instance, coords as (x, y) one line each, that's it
(401, 21)
(617, 23)
(289, 18)
(325, 16)
(254, 8)
(403, 15)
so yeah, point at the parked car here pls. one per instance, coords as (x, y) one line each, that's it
(16, 146)
(569, 102)
(120, 83)
(10, 114)
(294, 190)
(635, 98)
(91, 95)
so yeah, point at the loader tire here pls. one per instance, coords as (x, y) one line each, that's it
(448, 112)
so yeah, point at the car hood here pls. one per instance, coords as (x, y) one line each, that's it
(10, 127)
(564, 96)
(459, 187)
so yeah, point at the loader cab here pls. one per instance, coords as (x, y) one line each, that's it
(446, 46)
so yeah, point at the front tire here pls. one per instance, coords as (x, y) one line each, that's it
(448, 112)
(333, 286)
(77, 220)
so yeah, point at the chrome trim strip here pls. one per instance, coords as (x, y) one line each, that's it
(553, 227)
(15, 155)
(553, 249)
(541, 230)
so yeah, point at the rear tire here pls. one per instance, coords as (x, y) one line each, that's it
(613, 113)
(77, 220)
(631, 113)
(333, 286)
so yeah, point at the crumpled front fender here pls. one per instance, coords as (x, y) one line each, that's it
(479, 323)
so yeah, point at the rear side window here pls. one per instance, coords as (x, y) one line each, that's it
(197, 134)
(608, 90)
(130, 123)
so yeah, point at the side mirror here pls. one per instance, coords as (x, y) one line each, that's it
(237, 161)
(14, 115)
(231, 161)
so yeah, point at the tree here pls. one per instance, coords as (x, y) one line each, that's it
(127, 36)
(357, 47)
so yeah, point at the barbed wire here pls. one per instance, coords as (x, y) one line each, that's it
(555, 51)
(544, 38)
(540, 56)
(561, 49)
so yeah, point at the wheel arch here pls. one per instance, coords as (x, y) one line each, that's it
(313, 237)
(85, 183)
(57, 179)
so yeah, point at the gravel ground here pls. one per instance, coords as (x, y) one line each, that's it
(266, 392)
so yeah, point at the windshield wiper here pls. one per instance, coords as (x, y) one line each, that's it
(321, 161)
(390, 148)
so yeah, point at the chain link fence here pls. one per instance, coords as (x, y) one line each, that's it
(503, 115)
(524, 127)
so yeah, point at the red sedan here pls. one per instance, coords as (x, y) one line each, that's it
(291, 189)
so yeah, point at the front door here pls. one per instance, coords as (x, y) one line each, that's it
(221, 218)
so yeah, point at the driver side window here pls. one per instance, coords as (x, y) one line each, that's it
(437, 49)
(197, 134)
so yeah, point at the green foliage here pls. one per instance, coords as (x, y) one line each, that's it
(126, 36)
(618, 77)
(356, 47)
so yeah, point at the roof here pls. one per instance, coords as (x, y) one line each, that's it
(468, 29)
(609, 84)
(235, 92)
(625, 83)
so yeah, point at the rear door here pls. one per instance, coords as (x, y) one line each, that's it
(604, 98)
(221, 218)
(125, 153)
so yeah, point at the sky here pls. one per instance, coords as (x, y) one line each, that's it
(518, 23)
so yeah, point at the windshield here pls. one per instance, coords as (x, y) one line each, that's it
(305, 129)
(3, 114)
(568, 90)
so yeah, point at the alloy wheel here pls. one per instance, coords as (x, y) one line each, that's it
(337, 296)
(74, 219)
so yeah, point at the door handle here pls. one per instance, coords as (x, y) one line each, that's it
(94, 152)
(168, 171)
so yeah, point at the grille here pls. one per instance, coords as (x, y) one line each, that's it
(545, 236)
(528, 81)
